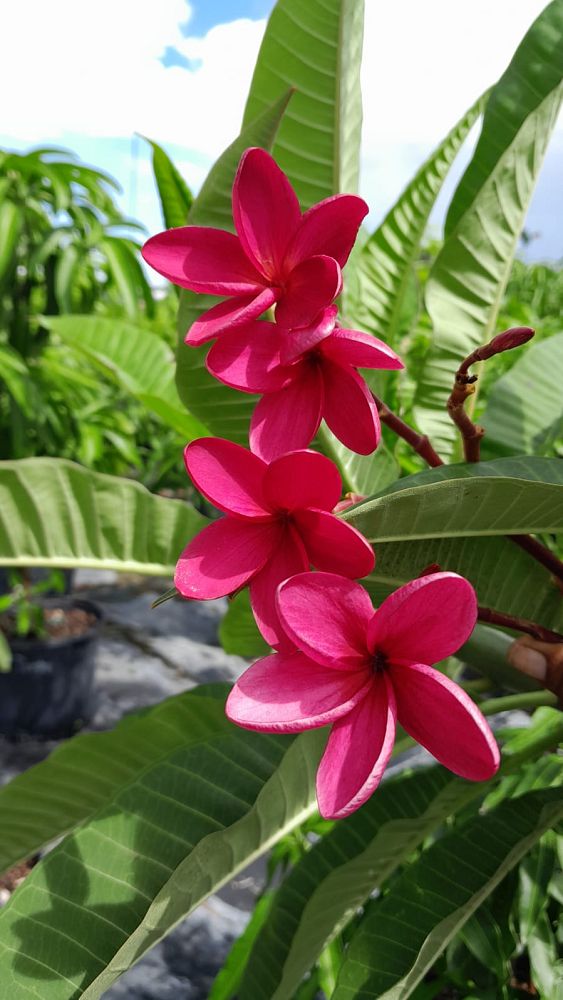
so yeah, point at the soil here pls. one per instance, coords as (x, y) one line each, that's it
(60, 623)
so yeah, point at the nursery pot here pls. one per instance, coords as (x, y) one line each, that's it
(49, 690)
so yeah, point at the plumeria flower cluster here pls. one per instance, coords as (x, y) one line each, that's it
(336, 660)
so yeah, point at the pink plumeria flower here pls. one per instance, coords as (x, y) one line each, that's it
(361, 670)
(279, 255)
(305, 375)
(278, 523)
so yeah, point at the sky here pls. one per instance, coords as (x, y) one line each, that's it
(95, 78)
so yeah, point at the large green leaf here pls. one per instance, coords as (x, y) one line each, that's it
(128, 276)
(175, 196)
(469, 276)
(198, 800)
(138, 360)
(238, 630)
(317, 49)
(224, 411)
(534, 70)
(525, 407)
(403, 933)
(384, 267)
(324, 890)
(502, 497)
(56, 513)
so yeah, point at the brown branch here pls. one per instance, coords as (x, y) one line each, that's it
(541, 554)
(418, 442)
(464, 386)
(493, 617)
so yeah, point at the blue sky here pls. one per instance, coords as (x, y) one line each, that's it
(179, 72)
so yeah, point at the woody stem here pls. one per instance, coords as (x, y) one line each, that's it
(418, 442)
(493, 617)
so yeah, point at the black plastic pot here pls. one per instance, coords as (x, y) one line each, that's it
(49, 691)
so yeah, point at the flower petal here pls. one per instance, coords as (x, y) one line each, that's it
(289, 418)
(333, 545)
(296, 342)
(227, 315)
(361, 350)
(357, 753)
(330, 227)
(349, 408)
(265, 209)
(302, 479)
(288, 692)
(248, 358)
(224, 556)
(230, 476)
(310, 287)
(288, 559)
(327, 617)
(203, 259)
(426, 620)
(441, 717)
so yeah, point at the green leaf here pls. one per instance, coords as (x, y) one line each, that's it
(324, 890)
(14, 373)
(11, 220)
(128, 276)
(136, 359)
(532, 73)
(535, 874)
(5, 654)
(227, 983)
(483, 937)
(55, 513)
(317, 49)
(362, 474)
(505, 496)
(403, 933)
(65, 273)
(238, 631)
(467, 281)
(385, 265)
(175, 196)
(546, 967)
(224, 411)
(525, 407)
(197, 800)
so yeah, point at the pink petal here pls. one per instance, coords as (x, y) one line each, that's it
(296, 342)
(349, 408)
(310, 287)
(441, 717)
(426, 620)
(333, 545)
(288, 419)
(357, 753)
(265, 209)
(330, 227)
(302, 479)
(226, 315)
(361, 350)
(203, 259)
(224, 556)
(230, 476)
(288, 559)
(327, 617)
(288, 692)
(248, 358)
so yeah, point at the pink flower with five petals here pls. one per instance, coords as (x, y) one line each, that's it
(279, 255)
(305, 375)
(278, 523)
(361, 670)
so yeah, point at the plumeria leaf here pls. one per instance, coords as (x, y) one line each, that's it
(383, 268)
(505, 496)
(360, 473)
(315, 48)
(224, 411)
(535, 873)
(238, 631)
(55, 513)
(189, 800)
(468, 279)
(175, 196)
(139, 361)
(524, 410)
(403, 933)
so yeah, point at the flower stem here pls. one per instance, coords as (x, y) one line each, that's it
(493, 617)
(418, 442)
(540, 553)
(527, 699)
